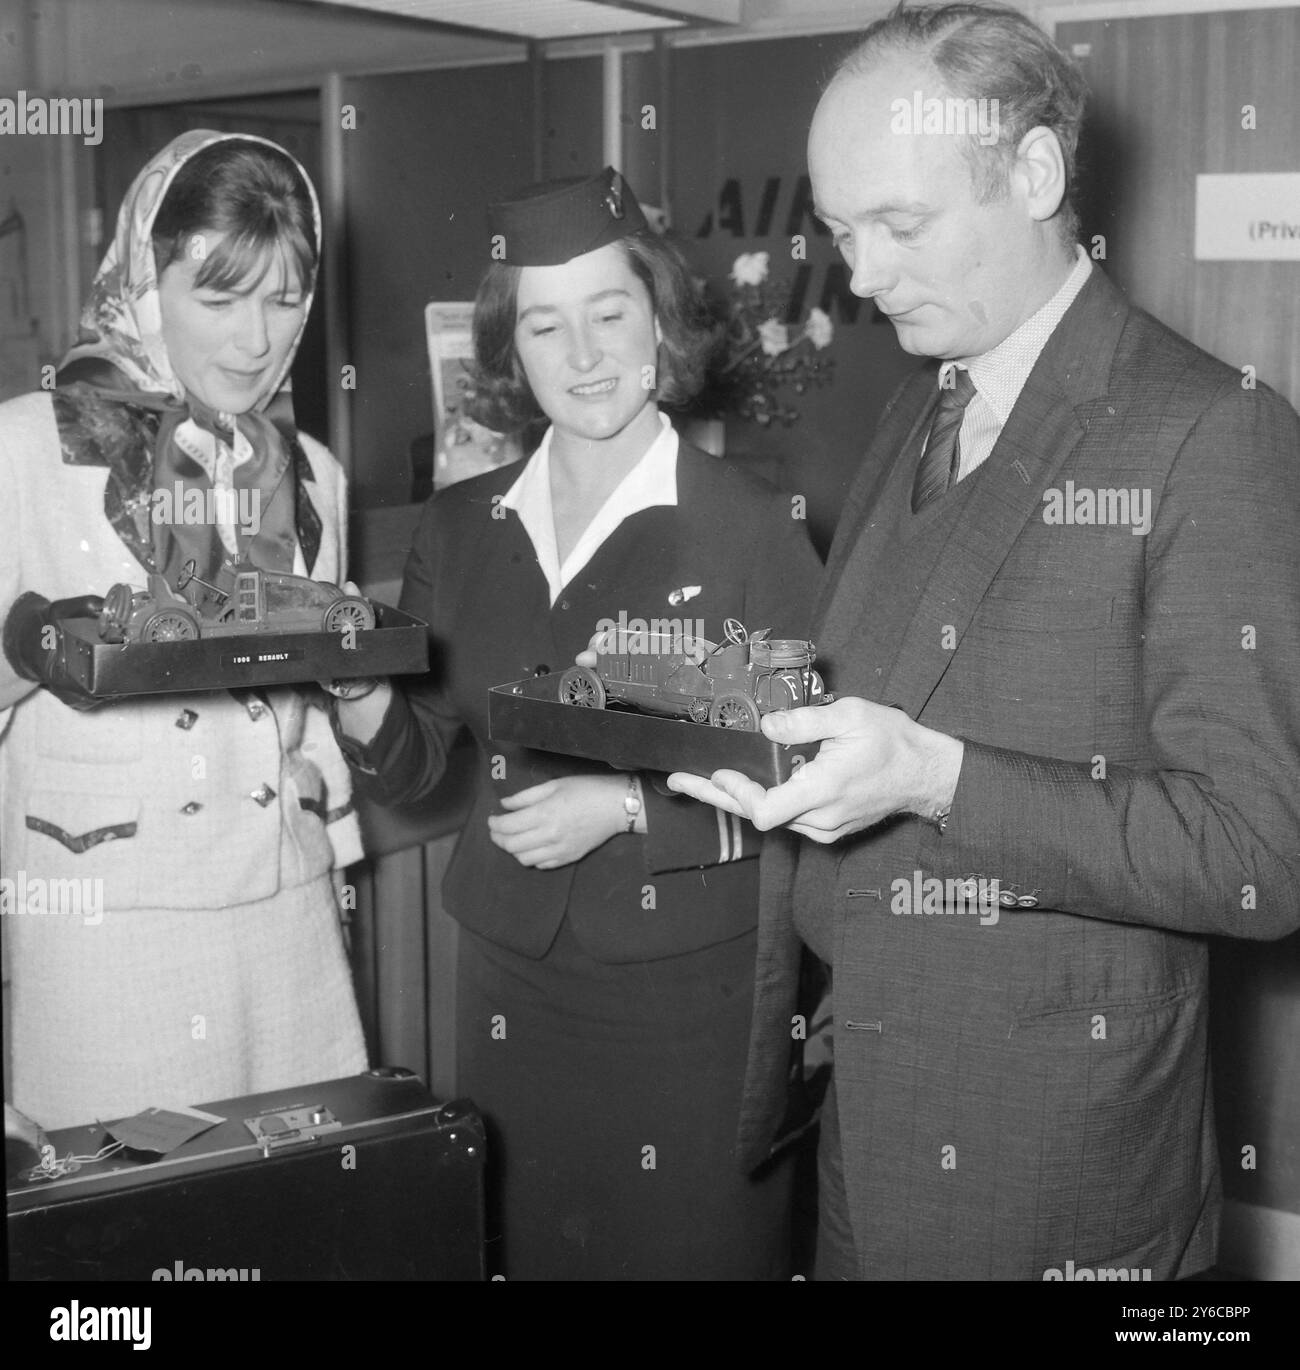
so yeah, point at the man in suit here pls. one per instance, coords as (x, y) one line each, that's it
(1062, 614)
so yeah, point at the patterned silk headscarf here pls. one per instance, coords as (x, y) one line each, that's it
(120, 404)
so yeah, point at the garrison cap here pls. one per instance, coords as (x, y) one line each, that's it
(551, 223)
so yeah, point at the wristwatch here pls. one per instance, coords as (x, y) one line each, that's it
(632, 802)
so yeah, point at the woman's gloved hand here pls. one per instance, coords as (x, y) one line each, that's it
(35, 650)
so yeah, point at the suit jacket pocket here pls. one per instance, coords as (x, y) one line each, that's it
(1032, 607)
(78, 836)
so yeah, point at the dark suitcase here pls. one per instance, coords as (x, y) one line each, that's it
(364, 1178)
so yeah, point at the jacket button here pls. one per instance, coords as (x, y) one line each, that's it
(191, 808)
(186, 719)
(263, 795)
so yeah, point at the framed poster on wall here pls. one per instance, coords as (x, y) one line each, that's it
(462, 448)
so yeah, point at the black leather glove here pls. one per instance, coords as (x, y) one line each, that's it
(25, 638)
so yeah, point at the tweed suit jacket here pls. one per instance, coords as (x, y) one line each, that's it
(1025, 1089)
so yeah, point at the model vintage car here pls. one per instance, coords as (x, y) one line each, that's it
(246, 600)
(727, 685)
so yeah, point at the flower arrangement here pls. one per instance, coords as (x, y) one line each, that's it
(761, 354)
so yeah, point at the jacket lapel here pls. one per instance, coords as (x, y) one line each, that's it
(1064, 391)
(838, 606)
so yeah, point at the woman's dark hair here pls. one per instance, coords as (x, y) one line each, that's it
(256, 197)
(502, 399)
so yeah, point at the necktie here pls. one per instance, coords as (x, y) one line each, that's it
(938, 467)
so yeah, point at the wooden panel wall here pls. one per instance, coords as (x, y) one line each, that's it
(1168, 97)
(1168, 94)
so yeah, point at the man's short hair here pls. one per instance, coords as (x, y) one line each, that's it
(989, 52)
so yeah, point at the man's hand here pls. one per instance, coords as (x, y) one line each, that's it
(560, 821)
(874, 761)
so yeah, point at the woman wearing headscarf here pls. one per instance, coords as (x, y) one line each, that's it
(607, 946)
(170, 859)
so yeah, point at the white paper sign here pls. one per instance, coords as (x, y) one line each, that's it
(1248, 217)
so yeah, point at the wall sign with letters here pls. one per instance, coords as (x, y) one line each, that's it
(1248, 217)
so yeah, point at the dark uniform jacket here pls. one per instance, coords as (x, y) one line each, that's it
(691, 881)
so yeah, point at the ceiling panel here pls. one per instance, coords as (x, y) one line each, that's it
(540, 19)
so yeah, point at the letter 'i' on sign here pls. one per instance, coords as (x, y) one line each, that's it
(198, 1028)
(647, 1158)
(798, 1028)
(498, 767)
(948, 1158)
(498, 1027)
(647, 897)
(348, 1157)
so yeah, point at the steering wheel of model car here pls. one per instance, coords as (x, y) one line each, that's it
(186, 573)
(734, 631)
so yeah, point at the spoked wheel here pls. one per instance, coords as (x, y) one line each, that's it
(582, 688)
(113, 617)
(349, 612)
(170, 625)
(734, 711)
(698, 711)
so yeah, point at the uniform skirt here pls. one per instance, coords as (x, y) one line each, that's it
(611, 1095)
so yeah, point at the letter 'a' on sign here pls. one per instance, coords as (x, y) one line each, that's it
(1248, 217)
